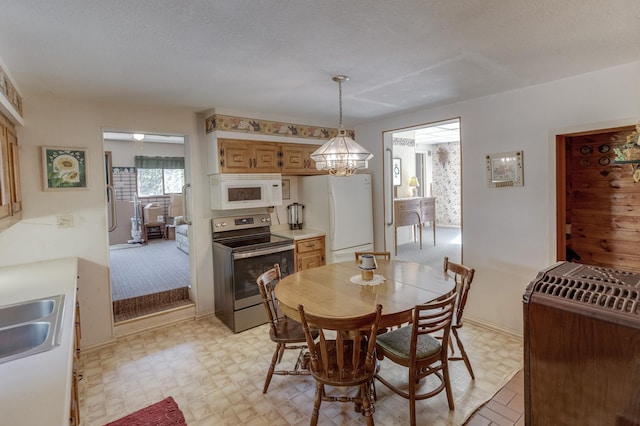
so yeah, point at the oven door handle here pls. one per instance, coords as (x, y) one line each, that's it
(255, 253)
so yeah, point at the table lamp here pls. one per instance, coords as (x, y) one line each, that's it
(414, 184)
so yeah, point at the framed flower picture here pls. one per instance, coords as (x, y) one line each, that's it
(64, 168)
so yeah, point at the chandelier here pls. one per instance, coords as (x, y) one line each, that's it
(341, 155)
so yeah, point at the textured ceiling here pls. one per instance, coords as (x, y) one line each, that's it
(277, 57)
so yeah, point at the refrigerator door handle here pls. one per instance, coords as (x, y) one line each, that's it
(389, 204)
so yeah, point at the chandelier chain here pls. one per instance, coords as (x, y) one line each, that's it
(340, 97)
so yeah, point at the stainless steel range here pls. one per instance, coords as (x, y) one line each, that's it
(243, 248)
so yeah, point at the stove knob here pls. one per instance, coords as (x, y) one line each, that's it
(223, 224)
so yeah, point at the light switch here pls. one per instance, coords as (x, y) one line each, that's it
(65, 221)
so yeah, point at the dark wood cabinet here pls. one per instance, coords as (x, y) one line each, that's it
(582, 347)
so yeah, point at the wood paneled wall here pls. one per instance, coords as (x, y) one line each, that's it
(603, 202)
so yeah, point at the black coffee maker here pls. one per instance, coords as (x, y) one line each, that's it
(295, 215)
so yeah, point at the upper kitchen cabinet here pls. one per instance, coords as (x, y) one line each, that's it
(297, 160)
(239, 156)
(14, 170)
(245, 156)
(10, 192)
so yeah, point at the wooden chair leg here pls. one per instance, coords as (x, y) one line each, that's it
(413, 385)
(464, 356)
(316, 404)
(281, 353)
(447, 386)
(366, 404)
(272, 366)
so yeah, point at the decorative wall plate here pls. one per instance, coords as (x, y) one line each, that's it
(585, 150)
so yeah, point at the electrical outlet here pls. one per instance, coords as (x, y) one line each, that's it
(65, 221)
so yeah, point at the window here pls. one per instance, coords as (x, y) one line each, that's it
(159, 175)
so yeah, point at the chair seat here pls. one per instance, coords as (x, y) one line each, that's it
(398, 343)
(289, 331)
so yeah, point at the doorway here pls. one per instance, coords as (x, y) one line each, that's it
(423, 189)
(149, 269)
(597, 200)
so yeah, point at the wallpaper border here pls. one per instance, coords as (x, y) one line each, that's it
(265, 127)
(9, 91)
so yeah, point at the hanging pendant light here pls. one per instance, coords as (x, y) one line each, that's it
(341, 155)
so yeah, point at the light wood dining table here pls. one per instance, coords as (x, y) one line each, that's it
(328, 290)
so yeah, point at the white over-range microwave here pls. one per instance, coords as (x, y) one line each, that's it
(244, 191)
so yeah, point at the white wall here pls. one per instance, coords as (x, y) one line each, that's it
(57, 122)
(123, 152)
(509, 233)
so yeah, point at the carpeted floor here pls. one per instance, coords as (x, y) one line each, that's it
(147, 269)
(448, 243)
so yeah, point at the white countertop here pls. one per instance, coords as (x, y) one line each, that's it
(296, 234)
(36, 390)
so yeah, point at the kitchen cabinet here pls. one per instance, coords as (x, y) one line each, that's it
(10, 185)
(38, 389)
(297, 160)
(309, 253)
(239, 156)
(244, 156)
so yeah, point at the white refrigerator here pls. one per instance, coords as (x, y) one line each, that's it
(342, 207)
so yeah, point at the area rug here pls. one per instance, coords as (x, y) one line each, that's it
(163, 413)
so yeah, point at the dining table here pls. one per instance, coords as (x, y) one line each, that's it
(337, 290)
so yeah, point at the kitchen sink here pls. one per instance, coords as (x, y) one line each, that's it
(30, 327)
(22, 338)
(27, 311)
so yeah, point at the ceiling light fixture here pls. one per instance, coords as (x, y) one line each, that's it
(138, 136)
(341, 155)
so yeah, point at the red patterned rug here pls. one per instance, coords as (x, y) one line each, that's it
(163, 413)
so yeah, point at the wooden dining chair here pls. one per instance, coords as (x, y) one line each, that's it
(415, 347)
(378, 254)
(343, 356)
(286, 333)
(463, 276)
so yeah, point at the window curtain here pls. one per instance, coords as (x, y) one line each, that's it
(159, 162)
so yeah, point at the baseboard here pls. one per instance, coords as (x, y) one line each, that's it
(491, 326)
(205, 315)
(154, 321)
(97, 346)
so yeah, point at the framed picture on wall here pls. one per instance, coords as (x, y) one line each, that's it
(64, 168)
(504, 169)
(397, 172)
